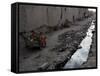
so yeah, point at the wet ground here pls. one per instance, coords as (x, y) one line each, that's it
(91, 61)
(81, 54)
(60, 47)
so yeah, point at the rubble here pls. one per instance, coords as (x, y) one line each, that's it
(56, 56)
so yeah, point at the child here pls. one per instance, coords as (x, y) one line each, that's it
(42, 40)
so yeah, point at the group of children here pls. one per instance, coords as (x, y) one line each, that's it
(42, 38)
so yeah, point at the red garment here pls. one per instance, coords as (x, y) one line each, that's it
(42, 40)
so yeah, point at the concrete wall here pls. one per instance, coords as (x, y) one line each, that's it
(32, 17)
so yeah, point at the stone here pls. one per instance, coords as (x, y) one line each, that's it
(79, 47)
(44, 66)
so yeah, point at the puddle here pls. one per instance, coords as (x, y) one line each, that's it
(81, 55)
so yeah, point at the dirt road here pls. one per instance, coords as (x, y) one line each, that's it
(50, 58)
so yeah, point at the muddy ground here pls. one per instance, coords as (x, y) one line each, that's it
(60, 47)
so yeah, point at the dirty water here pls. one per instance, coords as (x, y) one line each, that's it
(81, 55)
